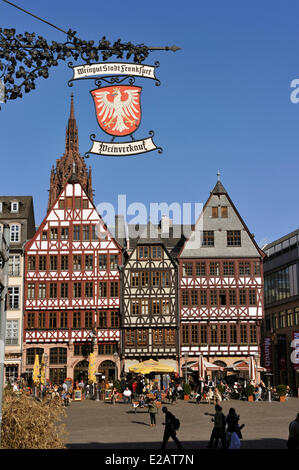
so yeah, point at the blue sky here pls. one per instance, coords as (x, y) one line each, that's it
(224, 103)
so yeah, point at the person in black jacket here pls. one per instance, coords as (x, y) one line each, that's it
(170, 430)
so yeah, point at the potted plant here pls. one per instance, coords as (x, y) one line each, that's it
(250, 392)
(186, 391)
(281, 392)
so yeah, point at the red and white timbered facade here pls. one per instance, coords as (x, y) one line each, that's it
(72, 285)
(220, 286)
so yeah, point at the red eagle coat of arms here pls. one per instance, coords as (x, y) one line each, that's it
(118, 109)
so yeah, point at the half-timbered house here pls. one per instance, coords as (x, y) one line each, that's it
(220, 286)
(72, 288)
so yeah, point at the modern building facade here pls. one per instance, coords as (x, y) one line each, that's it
(18, 213)
(220, 286)
(281, 325)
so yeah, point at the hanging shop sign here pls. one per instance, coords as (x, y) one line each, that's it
(117, 106)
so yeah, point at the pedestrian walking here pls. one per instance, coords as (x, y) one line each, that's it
(152, 409)
(171, 424)
(218, 431)
(233, 429)
(293, 440)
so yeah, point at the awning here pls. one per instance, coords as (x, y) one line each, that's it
(244, 366)
(149, 366)
(207, 365)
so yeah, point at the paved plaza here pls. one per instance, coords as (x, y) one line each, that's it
(94, 425)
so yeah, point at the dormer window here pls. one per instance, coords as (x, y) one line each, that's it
(14, 207)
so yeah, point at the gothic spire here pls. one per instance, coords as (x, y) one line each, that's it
(71, 139)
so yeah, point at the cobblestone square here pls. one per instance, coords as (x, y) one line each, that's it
(99, 425)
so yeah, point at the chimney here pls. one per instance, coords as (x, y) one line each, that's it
(166, 223)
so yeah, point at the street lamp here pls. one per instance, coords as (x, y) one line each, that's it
(268, 374)
(115, 357)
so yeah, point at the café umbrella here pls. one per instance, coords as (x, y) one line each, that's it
(92, 369)
(43, 370)
(35, 376)
(149, 366)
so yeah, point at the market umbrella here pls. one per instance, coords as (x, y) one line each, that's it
(252, 369)
(42, 370)
(92, 369)
(149, 366)
(207, 366)
(201, 368)
(35, 376)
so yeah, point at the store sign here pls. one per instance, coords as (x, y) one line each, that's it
(268, 354)
(295, 348)
(118, 107)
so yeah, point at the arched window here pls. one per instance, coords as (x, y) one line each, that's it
(31, 353)
(220, 363)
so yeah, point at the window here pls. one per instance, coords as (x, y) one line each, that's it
(232, 297)
(103, 289)
(88, 262)
(85, 232)
(102, 319)
(30, 320)
(94, 235)
(228, 268)
(223, 334)
(102, 262)
(14, 233)
(185, 298)
(64, 233)
(52, 320)
(13, 297)
(142, 337)
(63, 320)
(214, 334)
(12, 332)
(194, 334)
(53, 262)
(53, 290)
(76, 319)
(144, 279)
(203, 298)
(290, 318)
(58, 356)
(134, 279)
(114, 320)
(64, 262)
(53, 233)
(169, 337)
(88, 319)
(165, 307)
(14, 265)
(233, 334)
(143, 252)
(113, 262)
(252, 297)
(233, 238)
(222, 297)
(42, 263)
(242, 297)
(214, 212)
(224, 212)
(130, 337)
(61, 204)
(89, 289)
(44, 235)
(243, 333)
(135, 307)
(41, 320)
(157, 337)
(42, 291)
(69, 202)
(187, 269)
(114, 289)
(213, 297)
(214, 269)
(252, 333)
(156, 307)
(208, 238)
(77, 202)
(64, 290)
(107, 348)
(85, 204)
(14, 207)
(31, 353)
(194, 298)
(282, 320)
(77, 262)
(30, 291)
(203, 334)
(144, 307)
(244, 268)
(31, 263)
(76, 232)
(156, 252)
(296, 316)
(77, 290)
(155, 279)
(165, 279)
(257, 268)
(200, 268)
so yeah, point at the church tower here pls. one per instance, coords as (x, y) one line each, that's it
(70, 164)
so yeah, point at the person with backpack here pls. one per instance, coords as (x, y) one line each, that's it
(172, 425)
(218, 431)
